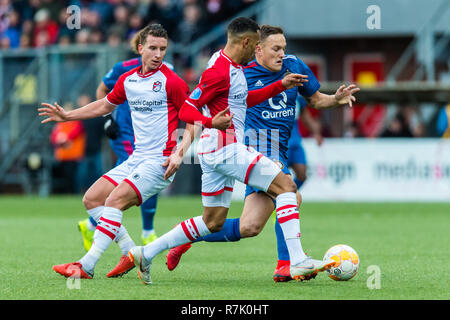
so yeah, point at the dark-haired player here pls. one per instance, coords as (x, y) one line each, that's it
(268, 128)
(223, 156)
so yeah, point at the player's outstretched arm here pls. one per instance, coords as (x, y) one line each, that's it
(289, 81)
(344, 96)
(57, 113)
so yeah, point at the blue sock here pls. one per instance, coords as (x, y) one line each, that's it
(229, 232)
(283, 253)
(148, 210)
(92, 221)
(298, 182)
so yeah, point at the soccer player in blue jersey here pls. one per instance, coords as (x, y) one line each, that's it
(119, 129)
(268, 128)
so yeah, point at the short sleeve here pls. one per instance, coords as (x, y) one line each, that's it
(177, 90)
(310, 87)
(117, 95)
(113, 75)
(212, 84)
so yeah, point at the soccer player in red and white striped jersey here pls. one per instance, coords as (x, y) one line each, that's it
(223, 156)
(155, 95)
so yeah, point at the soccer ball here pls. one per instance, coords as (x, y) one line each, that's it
(347, 262)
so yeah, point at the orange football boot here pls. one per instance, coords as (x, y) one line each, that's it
(174, 255)
(72, 270)
(123, 267)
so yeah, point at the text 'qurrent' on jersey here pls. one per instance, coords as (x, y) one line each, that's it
(223, 85)
(268, 125)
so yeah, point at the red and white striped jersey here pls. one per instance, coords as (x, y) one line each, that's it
(154, 99)
(221, 85)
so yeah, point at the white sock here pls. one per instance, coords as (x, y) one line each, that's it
(124, 240)
(108, 227)
(95, 213)
(187, 231)
(288, 217)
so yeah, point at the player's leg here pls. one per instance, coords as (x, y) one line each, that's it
(94, 200)
(148, 210)
(87, 226)
(216, 198)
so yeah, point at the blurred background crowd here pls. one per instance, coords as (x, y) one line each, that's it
(38, 23)
(29, 25)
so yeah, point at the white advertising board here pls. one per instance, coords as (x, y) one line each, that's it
(375, 170)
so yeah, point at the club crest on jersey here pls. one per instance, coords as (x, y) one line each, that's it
(195, 95)
(157, 86)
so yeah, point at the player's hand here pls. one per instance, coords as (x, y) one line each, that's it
(222, 120)
(292, 80)
(172, 163)
(344, 95)
(52, 112)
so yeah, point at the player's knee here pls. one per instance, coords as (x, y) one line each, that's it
(90, 202)
(288, 185)
(214, 225)
(248, 230)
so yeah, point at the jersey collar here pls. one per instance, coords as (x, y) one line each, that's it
(236, 65)
(148, 74)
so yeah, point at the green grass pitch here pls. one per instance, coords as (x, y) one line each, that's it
(408, 242)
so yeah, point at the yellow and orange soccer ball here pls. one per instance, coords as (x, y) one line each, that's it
(347, 262)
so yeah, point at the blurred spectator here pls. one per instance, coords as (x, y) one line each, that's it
(120, 25)
(12, 31)
(46, 30)
(82, 37)
(25, 41)
(90, 168)
(190, 27)
(64, 31)
(104, 9)
(167, 13)
(114, 39)
(96, 36)
(136, 23)
(398, 127)
(68, 140)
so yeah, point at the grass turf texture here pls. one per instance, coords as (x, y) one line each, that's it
(409, 242)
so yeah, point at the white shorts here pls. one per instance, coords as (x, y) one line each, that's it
(144, 175)
(234, 162)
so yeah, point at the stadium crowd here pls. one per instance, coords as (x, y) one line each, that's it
(38, 23)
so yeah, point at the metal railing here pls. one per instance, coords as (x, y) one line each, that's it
(419, 43)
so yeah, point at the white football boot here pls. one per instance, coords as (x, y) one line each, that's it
(303, 270)
(322, 265)
(136, 255)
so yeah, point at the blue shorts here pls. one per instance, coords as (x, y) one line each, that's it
(296, 153)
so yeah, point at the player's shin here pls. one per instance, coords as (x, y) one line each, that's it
(187, 231)
(124, 240)
(108, 228)
(229, 232)
(288, 217)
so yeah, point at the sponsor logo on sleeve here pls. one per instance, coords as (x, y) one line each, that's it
(195, 95)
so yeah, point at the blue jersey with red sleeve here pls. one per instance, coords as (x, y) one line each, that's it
(268, 125)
